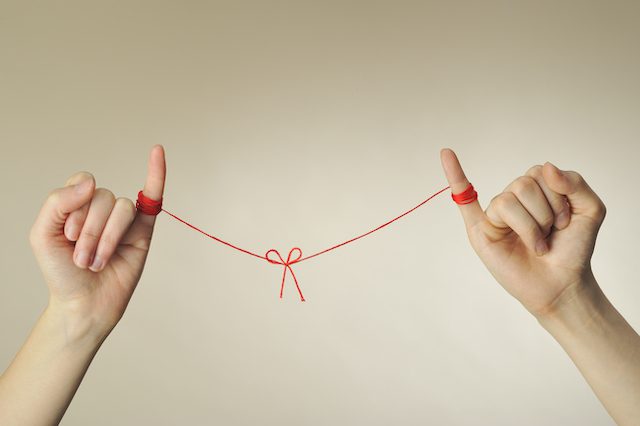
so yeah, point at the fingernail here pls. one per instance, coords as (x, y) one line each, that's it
(71, 232)
(97, 264)
(82, 259)
(563, 219)
(541, 247)
(83, 186)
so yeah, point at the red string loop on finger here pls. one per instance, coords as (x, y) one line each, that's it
(148, 206)
(467, 196)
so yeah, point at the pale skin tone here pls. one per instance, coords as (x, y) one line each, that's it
(85, 303)
(553, 281)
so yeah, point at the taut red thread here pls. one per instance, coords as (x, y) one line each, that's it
(153, 207)
(467, 196)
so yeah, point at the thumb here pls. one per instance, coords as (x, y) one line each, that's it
(472, 213)
(582, 199)
(60, 203)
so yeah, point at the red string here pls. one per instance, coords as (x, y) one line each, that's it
(148, 206)
(152, 207)
(467, 196)
(287, 265)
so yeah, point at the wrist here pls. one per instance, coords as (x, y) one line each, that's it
(581, 306)
(75, 327)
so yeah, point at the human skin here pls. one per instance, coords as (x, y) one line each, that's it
(537, 238)
(85, 302)
(555, 284)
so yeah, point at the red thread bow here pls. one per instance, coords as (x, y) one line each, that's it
(287, 265)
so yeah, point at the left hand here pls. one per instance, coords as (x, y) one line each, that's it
(92, 247)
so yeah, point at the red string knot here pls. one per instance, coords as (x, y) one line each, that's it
(295, 255)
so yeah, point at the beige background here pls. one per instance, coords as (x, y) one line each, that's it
(304, 123)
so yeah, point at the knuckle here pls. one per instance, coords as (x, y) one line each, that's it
(575, 177)
(106, 194)
(534, 171)
(78, 177)
(126, 204)
(53, 197)
(524, 185)
(494, 202)
(107, 242)
(34, 239)
(503, 200)
(600, 210)
(90, 234)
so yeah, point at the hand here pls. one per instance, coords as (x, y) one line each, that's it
(91, 248)
(537, 236)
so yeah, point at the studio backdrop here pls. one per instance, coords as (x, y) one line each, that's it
(302, 124)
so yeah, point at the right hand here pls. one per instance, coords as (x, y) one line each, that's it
(537, 236)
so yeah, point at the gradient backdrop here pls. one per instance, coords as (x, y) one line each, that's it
(305, 123)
